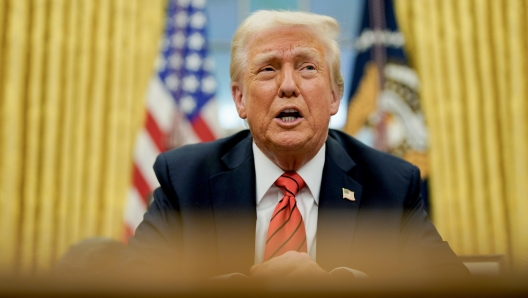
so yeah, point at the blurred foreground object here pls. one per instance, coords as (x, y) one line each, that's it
(161, 284)
(91, 256)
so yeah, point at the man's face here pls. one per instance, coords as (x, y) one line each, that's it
(285, 92)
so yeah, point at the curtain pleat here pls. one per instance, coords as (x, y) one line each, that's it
(12, 108)
(435, 111)
(67, 138)
(73, 80)
(492, 170)
(500, 59)
(474, 139)
(32, 148)
(53, 104)
(458, 135)
(118, 110)
(96, 121)
(518, 206)
(81, 94)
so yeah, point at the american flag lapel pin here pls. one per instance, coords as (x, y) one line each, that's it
(349, 195)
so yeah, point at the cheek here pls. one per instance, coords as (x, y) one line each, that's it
(266, 90)
(321, 106)
(261, 97)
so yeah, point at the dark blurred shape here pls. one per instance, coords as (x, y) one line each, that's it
(90, 256)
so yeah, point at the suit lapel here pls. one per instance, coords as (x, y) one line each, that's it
(234, 208)
(337, 216)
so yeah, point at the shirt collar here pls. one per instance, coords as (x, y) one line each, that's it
(267, 172)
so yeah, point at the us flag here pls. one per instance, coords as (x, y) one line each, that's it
(180, 101)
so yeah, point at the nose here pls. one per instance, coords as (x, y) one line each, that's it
(287, 85)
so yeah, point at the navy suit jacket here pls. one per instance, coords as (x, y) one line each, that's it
(203, 217)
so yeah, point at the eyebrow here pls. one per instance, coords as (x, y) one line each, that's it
(262, 58)
(301, 52)
(308, 53)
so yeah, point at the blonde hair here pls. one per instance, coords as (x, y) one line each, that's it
(325, 27)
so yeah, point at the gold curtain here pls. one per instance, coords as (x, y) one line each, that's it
(471, 56)
(73, 76)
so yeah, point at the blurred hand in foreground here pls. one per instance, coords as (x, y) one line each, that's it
(291, 264)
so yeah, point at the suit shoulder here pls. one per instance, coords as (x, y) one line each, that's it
(203, 151)
(206, 156)
(369, 158)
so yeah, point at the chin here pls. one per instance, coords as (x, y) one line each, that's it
(289, 142)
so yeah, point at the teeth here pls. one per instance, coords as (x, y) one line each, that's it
(290, 111)
(288, 119)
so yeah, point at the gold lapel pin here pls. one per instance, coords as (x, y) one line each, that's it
(349, 195)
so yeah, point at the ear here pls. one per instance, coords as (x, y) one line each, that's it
(334, 105)
(238, 98)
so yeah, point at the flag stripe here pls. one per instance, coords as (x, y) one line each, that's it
(134, 210)
(141, 185)
(202, 129)
(157, 136)
(210, 117)
(161, 104)
(145, 156)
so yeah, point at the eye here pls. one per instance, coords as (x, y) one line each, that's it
(266, 69)
(309, 67)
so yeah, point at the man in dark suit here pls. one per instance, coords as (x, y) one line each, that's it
(356, 210)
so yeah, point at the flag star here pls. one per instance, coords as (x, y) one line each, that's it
(190, 83)
(178, 40)
(188, 104)
(172, 82)
(184, 3)
(196, 41)
(193, 62)
(181, 19)
(209, 85)
(200, 4)
(175, 61)
(209, 64)
(198, 20)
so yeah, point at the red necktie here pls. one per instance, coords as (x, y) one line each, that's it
(286, 229)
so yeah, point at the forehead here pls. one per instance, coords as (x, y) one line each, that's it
(287, 40)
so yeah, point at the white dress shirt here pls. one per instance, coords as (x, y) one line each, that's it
(268, 195)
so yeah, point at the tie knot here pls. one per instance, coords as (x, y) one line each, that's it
(291, 183)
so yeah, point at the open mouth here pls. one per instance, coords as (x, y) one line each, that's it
(289, 115)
